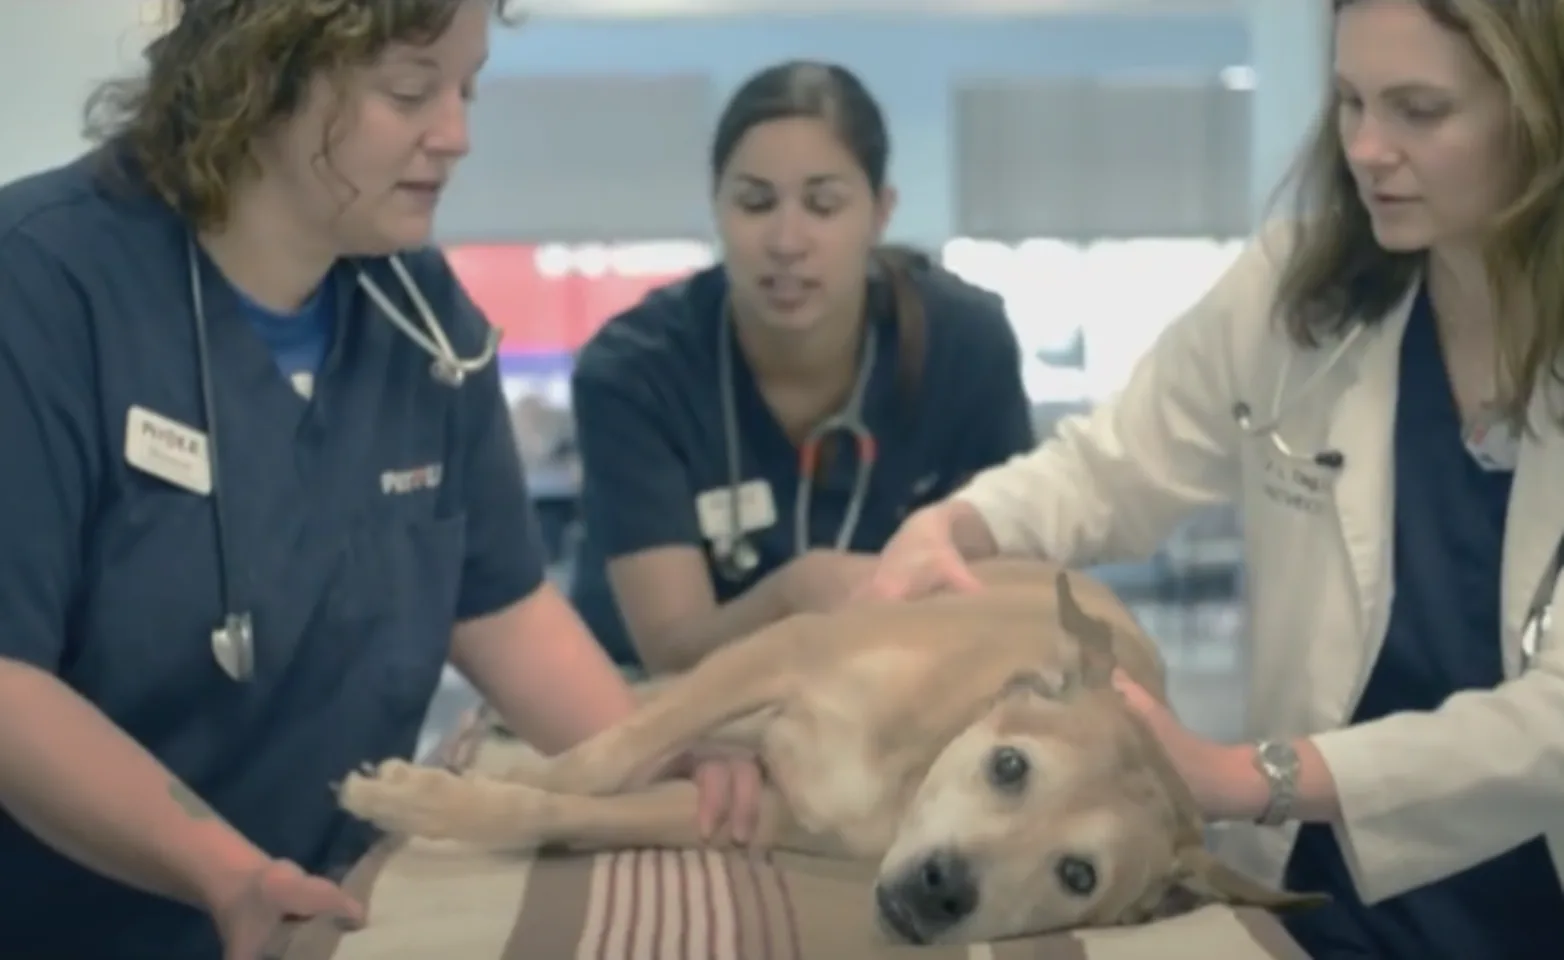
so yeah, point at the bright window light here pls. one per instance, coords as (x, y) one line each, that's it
(1111, 299)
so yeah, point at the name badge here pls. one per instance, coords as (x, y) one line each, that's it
(1494, 444)
(1301, 485)
(168, 450)
(755, 510)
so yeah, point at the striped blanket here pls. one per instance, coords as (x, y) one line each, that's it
(433, 900)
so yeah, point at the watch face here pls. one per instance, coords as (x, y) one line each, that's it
(1279, 754)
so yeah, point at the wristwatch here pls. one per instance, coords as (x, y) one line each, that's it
(1277, 761)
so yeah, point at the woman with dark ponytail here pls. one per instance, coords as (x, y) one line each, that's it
(751, 437)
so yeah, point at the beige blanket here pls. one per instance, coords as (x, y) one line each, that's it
(434, 901)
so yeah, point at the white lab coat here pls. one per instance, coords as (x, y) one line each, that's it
(1424, 796)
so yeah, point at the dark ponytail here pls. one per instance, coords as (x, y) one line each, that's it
(899, 265)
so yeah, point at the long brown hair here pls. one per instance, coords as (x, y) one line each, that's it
(1337, 274)
(229, 70)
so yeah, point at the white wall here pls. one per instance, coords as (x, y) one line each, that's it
(1290, 44)
(52, 53)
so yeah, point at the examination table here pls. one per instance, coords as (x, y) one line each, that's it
(439, 901)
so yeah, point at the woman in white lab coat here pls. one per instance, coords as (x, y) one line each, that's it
(1377, 388)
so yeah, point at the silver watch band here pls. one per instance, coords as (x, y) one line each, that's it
(1277, 761)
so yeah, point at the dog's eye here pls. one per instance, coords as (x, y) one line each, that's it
(1076, 875)
(1008, 767)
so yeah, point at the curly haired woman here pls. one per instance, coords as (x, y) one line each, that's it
(244, 528)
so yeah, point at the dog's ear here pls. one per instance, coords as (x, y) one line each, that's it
(1093, 637)
(1201, 879)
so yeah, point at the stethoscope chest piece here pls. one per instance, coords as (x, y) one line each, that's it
(233, 646)
(450, 374)
(448, 368)
(737, 558)
(1538, 623)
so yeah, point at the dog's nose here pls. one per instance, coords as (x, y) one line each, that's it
(936, 894)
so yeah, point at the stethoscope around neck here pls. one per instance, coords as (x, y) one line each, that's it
(1270, 427)
(734, 554)
(233, 639)
(1539, 612)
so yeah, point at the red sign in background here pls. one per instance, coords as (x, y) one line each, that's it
(546, 312)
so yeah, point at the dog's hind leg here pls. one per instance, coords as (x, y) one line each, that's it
(436, 804)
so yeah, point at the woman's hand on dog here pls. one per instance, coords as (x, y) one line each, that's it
(1221, 776)
(921, 559)
(729, 784)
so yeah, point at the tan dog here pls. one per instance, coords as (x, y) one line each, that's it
(971, 744)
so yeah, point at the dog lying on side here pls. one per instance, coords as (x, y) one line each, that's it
(970, 744)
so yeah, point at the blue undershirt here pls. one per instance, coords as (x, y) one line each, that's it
(298, 340)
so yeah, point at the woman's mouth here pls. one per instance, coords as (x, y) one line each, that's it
(786, 292)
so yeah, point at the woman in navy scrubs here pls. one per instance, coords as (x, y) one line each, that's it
(244, 527)
(718, 384)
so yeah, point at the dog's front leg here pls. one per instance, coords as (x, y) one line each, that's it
(413, 800)
(428, 802)
(734, 683)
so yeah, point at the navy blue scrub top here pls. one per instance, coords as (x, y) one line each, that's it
(647, 401)
(1443, 638)
(364, 523)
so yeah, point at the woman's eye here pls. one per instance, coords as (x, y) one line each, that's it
(1423, 114)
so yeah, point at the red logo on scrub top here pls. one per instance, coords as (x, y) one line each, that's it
(548, 299)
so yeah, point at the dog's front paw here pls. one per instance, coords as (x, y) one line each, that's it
(419, 801)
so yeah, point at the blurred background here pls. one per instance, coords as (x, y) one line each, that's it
(1096, 162)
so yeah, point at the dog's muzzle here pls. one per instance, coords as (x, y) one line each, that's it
(928, 899)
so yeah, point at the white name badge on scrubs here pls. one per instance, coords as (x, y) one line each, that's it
(168, 450)
(757, 510)
(1493, 443)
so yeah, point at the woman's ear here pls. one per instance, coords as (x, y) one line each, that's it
(885, 208)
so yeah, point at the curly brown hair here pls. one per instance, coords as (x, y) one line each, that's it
(229, 70)
(1337, 274)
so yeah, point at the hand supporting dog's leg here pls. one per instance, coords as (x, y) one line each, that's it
(664, 815)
